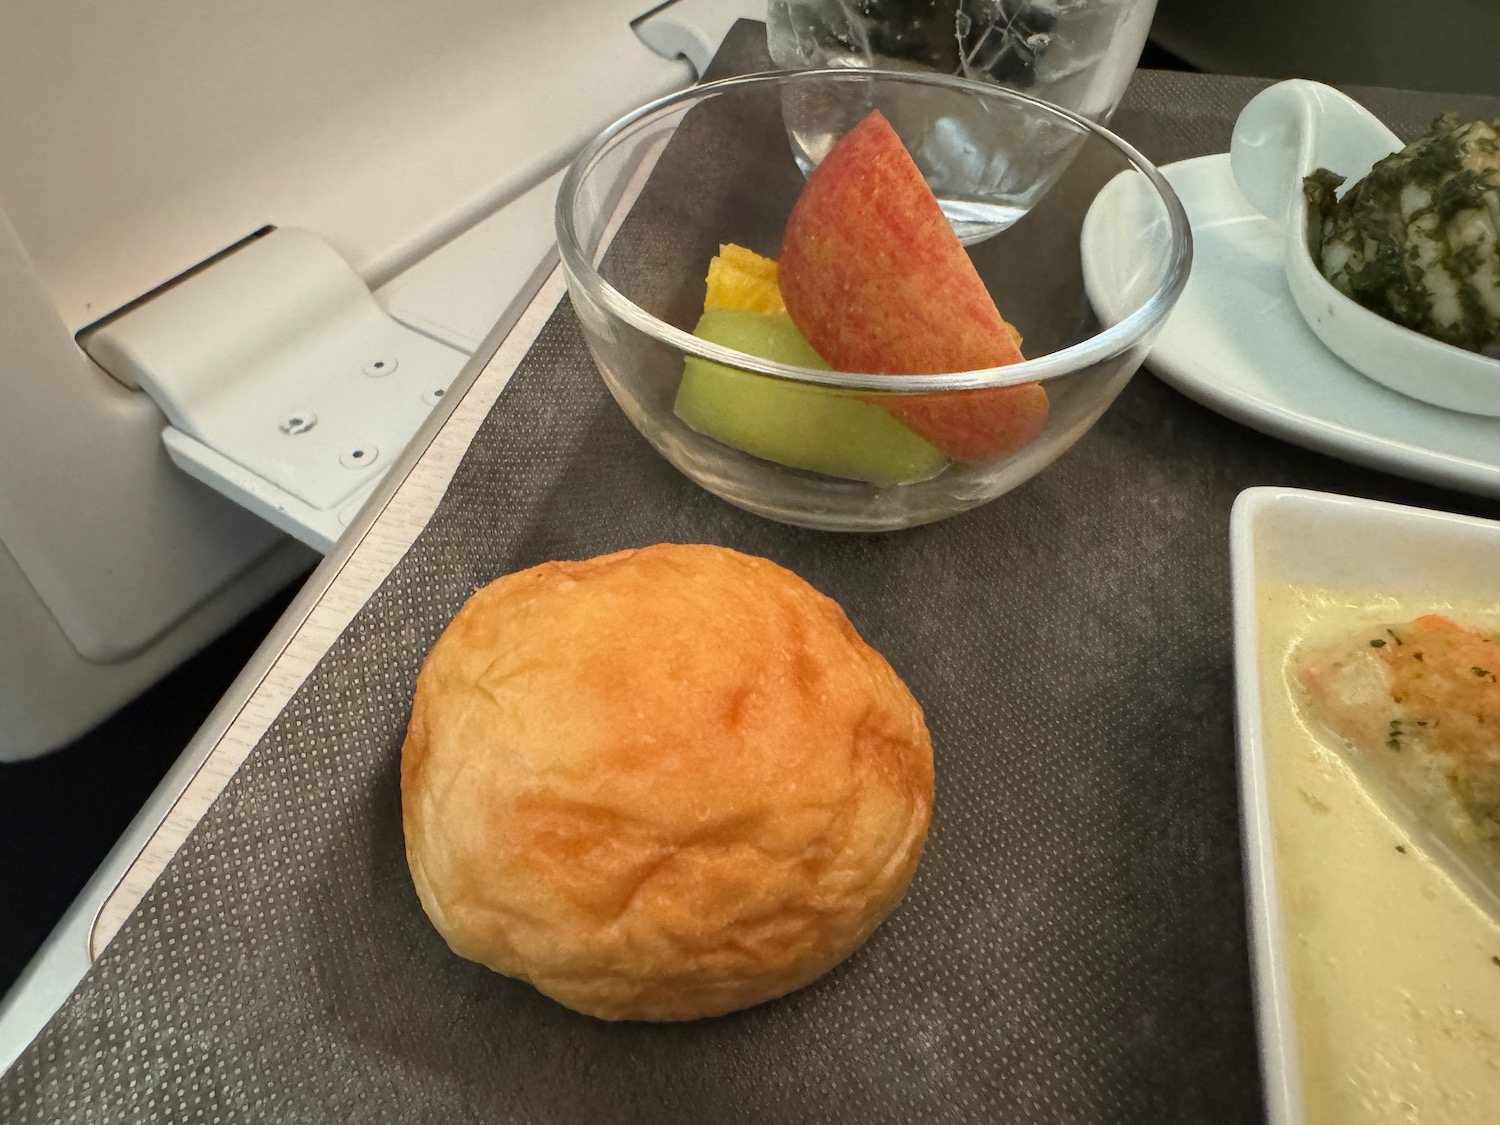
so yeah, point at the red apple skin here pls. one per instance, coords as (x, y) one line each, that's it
(876, 280)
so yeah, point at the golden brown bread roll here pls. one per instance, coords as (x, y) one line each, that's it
(661, 784)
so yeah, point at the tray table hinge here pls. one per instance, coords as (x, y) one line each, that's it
(285, 386)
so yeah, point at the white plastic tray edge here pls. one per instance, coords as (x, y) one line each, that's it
(1276, 1032)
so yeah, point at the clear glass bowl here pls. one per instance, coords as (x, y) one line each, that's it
(647, 204)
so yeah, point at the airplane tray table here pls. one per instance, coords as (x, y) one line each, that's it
(1073, 946)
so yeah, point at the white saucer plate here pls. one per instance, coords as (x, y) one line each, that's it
(1237, 344)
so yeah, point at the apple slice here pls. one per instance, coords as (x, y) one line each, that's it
(820, 429)
(878, 283)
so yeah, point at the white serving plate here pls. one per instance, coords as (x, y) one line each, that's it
(1292, 536)
(1237, 343)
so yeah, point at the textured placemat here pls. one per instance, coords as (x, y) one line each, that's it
(1073, 947)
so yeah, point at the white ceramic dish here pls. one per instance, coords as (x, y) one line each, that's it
(1287, 131)
(1238, 344)
(1295, 537)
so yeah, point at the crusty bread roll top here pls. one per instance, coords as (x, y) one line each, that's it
(661, 784)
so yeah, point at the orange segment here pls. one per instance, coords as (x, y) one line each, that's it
(741, 279)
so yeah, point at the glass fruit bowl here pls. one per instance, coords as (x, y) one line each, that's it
(747, 408)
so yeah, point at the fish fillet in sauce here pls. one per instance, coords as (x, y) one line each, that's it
(1418, 705)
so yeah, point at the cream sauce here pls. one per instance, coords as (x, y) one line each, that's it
(1394, 968)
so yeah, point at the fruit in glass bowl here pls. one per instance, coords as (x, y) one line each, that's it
(888, 317)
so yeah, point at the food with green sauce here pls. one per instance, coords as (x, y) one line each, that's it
(1418, 239)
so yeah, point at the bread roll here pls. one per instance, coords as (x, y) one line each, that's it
(661, 784)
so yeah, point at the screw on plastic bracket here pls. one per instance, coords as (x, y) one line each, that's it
(298, 423)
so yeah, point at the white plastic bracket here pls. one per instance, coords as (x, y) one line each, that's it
(285, 386)
(693, 29)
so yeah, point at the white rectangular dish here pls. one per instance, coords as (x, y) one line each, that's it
(1384, 557)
